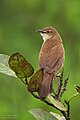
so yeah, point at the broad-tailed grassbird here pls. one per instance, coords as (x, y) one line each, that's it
(51, 58)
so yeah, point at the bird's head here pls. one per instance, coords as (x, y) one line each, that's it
(47, 32)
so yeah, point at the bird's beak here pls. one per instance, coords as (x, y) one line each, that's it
(39, 31)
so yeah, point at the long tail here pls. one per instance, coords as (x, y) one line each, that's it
(46, 86)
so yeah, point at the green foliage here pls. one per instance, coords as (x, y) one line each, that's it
(4, 66)
(58, 116)
(76, 94)
(20, 66)
(35, 81)
(57, 103)
(24, 69)
(18, 23)
(40, 114)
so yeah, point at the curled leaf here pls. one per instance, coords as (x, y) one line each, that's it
(4, 66)
(20, 66)
(35, 81)
(57, 103)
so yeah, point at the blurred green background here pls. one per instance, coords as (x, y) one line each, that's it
(19, 20)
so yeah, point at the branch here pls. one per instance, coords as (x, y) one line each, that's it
(59, 94)
(61, 87)
(68, 110)
(64, 87)
(50, 104)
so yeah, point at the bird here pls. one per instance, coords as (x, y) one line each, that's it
(51, 59)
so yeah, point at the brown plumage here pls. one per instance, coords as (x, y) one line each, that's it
(51, 58)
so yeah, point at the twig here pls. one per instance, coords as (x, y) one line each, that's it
(50, 104)
(64, 87)
(68, 110)
(57, 96)
(24, 81)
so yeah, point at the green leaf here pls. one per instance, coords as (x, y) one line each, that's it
(76, 94)
(20, 66)
(59, 117)
(4, 66)
(35, 81)
(40, 114)
(57, 103)
(73, 96)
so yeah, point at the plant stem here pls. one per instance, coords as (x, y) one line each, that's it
(64, 87)
(68, 110)
(50, 104)
(72, 97)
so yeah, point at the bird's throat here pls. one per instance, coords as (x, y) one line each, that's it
(45, 37)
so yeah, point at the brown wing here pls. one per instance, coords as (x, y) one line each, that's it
(52, 59)
(55, 59)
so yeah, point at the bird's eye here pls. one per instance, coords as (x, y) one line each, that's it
(48, 31)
